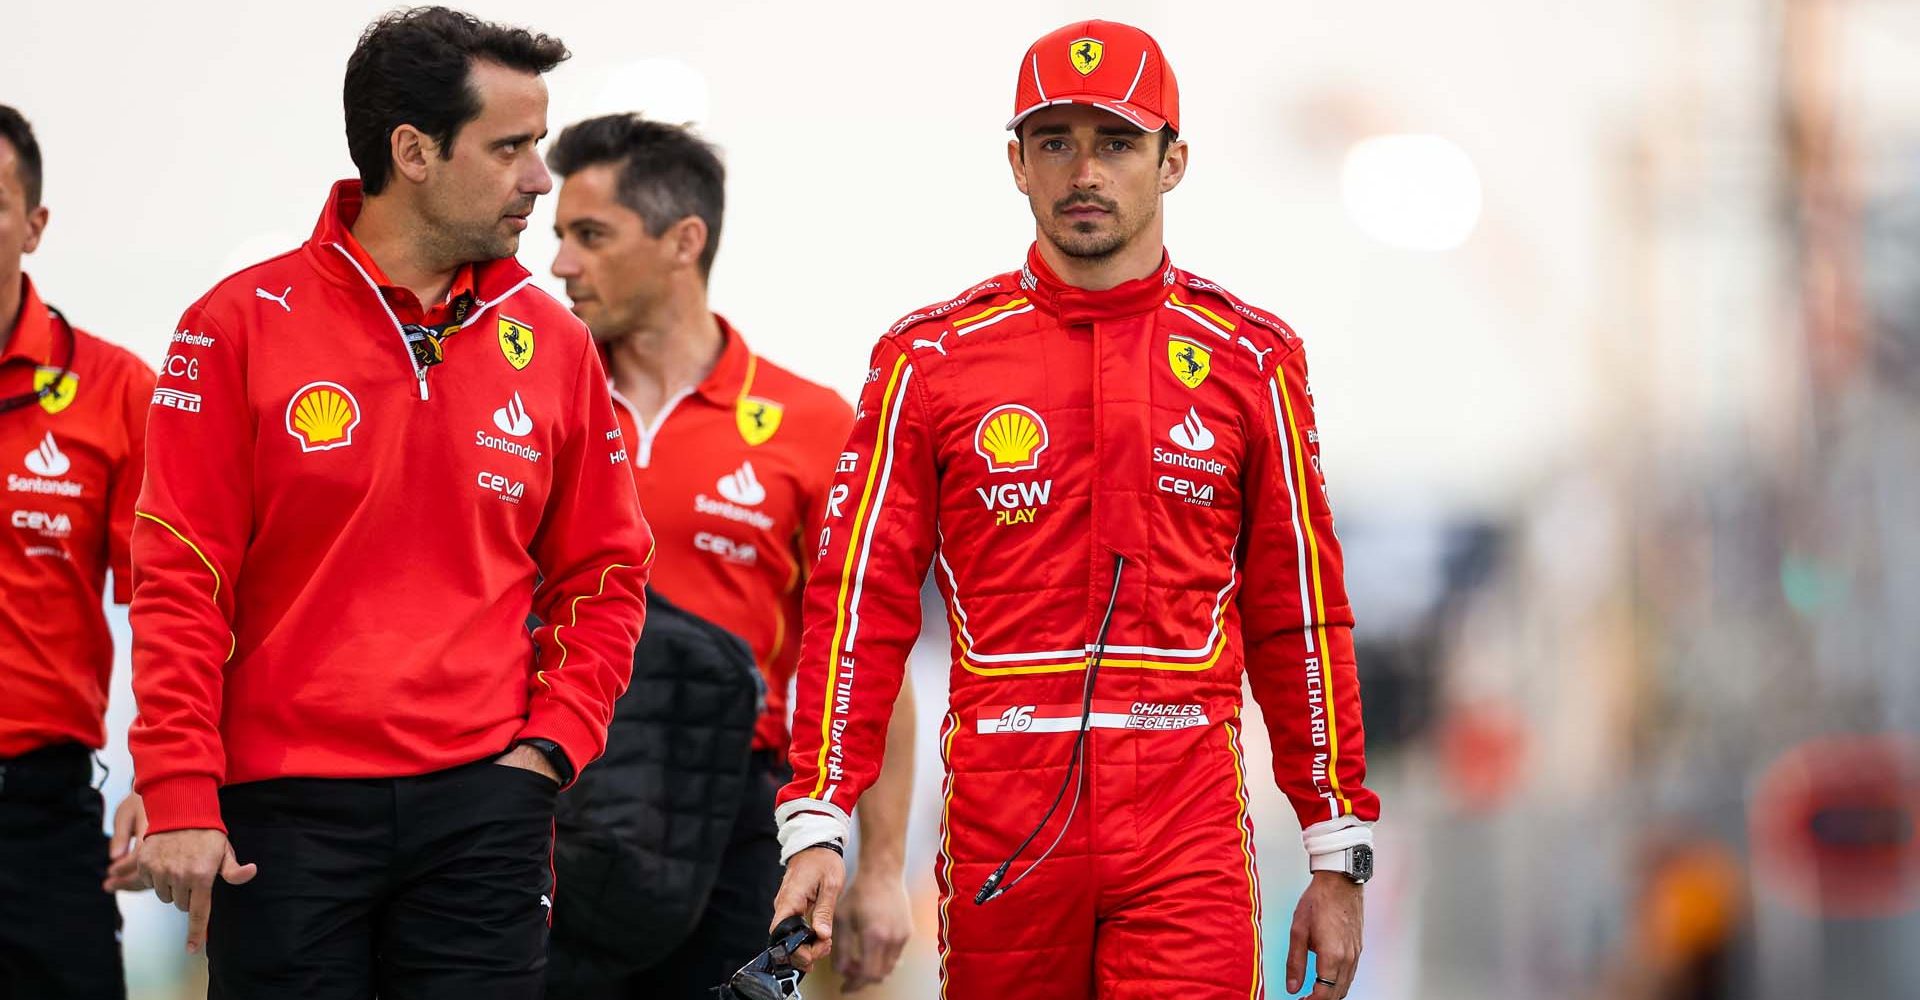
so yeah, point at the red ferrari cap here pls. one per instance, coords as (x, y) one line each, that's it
(1110, 66)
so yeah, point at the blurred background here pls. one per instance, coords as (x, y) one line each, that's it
(1614, 311)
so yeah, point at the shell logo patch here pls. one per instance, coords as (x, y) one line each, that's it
(516, 342)
(59, 396)
(322, 416)
(757, 418)
(1011, 438)
(1085, 55)
(1190, 360)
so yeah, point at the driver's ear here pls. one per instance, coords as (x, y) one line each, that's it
(1173, 166)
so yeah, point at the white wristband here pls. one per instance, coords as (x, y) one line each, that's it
(808, 823)
(1327, 842)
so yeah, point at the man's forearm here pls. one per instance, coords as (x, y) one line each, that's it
(885, 807)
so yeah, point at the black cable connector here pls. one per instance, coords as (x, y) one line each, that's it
(991, 887)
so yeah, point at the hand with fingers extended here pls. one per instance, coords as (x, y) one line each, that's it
(182, 864)
(876, 919)
(810, 889)
(1327, 922)
(123, 857)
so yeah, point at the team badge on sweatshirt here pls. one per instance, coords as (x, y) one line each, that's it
(516, 342)
(757, 418)
(322, 416)
(1190, 360)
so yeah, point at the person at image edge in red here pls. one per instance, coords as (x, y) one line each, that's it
(1113, 468)
(73, 411)
(387, 448)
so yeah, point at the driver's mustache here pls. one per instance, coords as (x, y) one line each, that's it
(1082, 199)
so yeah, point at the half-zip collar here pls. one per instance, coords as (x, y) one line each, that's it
(406, 305)
(1079, 305)
(340, 258)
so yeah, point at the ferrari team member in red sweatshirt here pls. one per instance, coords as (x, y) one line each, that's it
(73, 412)
(370, 458)
(1112, 465)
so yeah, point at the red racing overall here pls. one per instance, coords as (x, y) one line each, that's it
(1052, 453)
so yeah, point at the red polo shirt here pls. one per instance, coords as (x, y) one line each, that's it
(734, 476)
(72, 464)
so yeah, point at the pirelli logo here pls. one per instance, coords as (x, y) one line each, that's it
(174, 399)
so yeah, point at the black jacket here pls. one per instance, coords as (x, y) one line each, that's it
(639, 836)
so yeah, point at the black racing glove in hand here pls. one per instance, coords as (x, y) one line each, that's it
(771, 975)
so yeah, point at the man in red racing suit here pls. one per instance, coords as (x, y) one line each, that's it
(1112, 468)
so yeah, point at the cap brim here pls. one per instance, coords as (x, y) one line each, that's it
(1133, 114)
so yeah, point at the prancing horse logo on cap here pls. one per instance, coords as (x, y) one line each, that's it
(1086, 53)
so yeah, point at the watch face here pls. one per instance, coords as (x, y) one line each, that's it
(1362, 863)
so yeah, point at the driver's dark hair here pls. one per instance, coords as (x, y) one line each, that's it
(412, 67)
(26, 150)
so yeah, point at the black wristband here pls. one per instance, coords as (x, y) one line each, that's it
(556, 758)
(831, 845)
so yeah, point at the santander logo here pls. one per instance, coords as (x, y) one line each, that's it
(1191, 434)
(742, 487)
(512, 418)
(47, 460)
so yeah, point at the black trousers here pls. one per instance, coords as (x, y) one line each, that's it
(418, 888)
(59, 931)
(733, 927)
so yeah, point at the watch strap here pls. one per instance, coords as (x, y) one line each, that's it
(556, 757)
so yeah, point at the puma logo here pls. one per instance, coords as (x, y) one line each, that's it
(938, 344)
(1259, 356)
(280, 298)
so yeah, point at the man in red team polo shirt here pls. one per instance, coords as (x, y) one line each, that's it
(371, 459)
(72, 428)
(733, 456)
(1114, 466)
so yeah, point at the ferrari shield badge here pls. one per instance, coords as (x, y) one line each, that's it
(1086, 53)
(757, 418)
(516, 342)
(55, 396)
(1190, 361)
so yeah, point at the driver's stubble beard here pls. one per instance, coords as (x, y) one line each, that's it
(455, 241)
(1090, 246)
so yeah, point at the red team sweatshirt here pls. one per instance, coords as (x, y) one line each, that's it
(336, 550)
